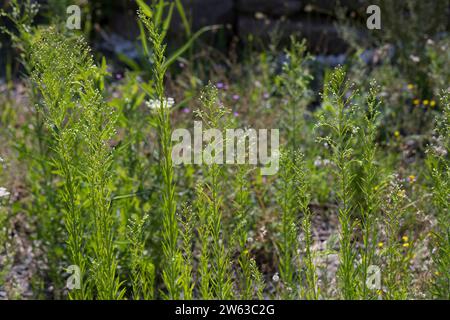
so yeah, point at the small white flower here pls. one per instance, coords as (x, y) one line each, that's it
(440, 151)
(263, 231)
(318, 162)
(4, 193)
(414, 58)
(276, 277)
(156, 104)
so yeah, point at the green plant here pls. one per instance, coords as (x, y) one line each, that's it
(98, 125)
(81, 126)
(296, 261)
(439, 173)
(54, 79)
(395, 272)
(162, 21)
(36, 154)
(293, 85)
(4, 229)
(204, 233)
(213, 116)
(188, 220)
(338, 121)
(138, 227)
(288, 230)
(142, 270)
(369, 206)
(310, 290)
(22, 16)
(172, 254)
(249, 275)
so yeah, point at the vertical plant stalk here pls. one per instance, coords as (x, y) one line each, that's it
(81, 125)
(45, 207)
(55, 62)
(248, 271)
(370, 205)
(341, 125)
(395, 275)
(7, 258)
(212, 115)
(288, 229)
(187, 281)
(311, 289)
(98, 120)
(439, 172)
(142, 270)
(204, 228)
(293, 83)
(172, 255)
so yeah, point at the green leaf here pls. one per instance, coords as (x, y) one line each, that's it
(129, 62)
(159, 12)
(188, 44)
(167, 21)
(184, 20)
(145, 8)
(143, 37)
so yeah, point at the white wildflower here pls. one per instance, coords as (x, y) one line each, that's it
(276, 277)
(156, 104)
(440, 151)
(318, 162)
(414, 58)
(4, 193)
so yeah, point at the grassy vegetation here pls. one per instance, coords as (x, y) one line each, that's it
(86, 160)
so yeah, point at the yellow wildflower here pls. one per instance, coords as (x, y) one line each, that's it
(397, 134)
(432, 103)
(426, 102)
(405, 238)
(410, 86)
(416, 102)
(380, 244)
(412, 178)
(437, 273)
(406, 245)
